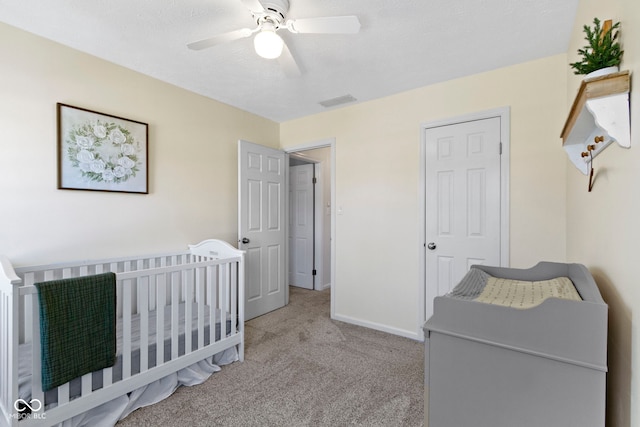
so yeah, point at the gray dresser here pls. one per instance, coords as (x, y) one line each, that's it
(490, 365)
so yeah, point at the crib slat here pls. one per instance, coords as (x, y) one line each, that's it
(27, 328)
(175, 301)
(239, 267)
(113, 268)
(107, 377)
(143, 302)
(188, 311)
(36, 361)
(152, 289)
(126, 329)
(162, 296)
(87, 381)
(201, 304)
(234, 296)
(63, 394)
(211, 293)
(223, 285)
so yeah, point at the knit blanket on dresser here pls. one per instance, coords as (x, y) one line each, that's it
(479, 286)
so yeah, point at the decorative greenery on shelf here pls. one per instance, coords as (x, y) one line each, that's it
(602, 51)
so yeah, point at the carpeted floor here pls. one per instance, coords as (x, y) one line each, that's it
(303, 369)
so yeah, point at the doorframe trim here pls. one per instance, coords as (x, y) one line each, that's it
(331, 144)
(504, 113)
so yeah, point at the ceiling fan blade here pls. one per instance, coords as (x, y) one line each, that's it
(327, 25)
(253, 5)
(288, 63)
(220, 38)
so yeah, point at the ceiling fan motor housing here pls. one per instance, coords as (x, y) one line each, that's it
(274, 11)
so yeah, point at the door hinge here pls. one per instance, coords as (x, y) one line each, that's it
(313, 273)
(314, 180)
(500, 149)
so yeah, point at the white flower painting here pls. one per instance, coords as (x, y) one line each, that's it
(101, 152)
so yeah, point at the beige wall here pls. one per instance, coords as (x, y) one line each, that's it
(192, 158)
(603, 227)
(377, 180)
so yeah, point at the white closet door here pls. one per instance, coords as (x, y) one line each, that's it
(462, 201)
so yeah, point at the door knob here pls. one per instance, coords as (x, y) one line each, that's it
(431, 246)
(245, 240)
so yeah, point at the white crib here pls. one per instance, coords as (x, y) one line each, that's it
(160, 298)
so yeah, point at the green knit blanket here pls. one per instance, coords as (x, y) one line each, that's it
(77, 327)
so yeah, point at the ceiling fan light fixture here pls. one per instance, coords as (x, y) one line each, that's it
(268, 44)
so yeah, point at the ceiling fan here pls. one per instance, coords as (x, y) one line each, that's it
(271, 16)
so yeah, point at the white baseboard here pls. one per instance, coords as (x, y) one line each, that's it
(378, 327)
(323, 287)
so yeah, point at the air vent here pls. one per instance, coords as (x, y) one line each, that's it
(344, 99)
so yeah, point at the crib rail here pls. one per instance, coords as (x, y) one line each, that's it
(193, 293)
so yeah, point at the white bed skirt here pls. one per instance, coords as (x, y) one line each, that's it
(108, 414)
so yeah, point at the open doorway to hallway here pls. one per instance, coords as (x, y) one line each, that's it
(310, 218)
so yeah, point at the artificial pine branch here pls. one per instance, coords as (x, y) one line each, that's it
(603, 49)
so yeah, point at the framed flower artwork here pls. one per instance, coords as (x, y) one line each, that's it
(101, 152)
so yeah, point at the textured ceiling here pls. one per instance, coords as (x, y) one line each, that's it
(402, 44)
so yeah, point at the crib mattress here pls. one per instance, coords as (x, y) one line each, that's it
(24, 372)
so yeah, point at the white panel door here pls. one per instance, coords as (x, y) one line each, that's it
(301, 226)
(261, 226)
(462, 202)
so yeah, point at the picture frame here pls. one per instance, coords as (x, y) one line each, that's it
(101, 152)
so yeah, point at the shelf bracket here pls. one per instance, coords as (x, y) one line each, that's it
(600, 110)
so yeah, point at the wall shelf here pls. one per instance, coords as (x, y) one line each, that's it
(598, 117)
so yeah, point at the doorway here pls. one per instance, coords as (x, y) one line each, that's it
(302, 263)
(310, 218)
(464, 189)
(253, 191)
